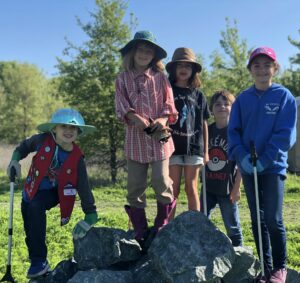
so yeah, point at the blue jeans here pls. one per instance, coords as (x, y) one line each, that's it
(230, 215)
(34, 218)
(271, 191)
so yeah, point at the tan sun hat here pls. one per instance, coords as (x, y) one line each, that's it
(183, 54)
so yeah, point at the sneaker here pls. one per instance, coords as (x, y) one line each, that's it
(37, 268)
(278, 275)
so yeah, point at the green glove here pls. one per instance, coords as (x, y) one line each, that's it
(83, 226)
(14, 163)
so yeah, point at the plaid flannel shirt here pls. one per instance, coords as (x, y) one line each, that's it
(150, 95)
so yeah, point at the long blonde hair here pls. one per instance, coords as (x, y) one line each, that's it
(128, 60)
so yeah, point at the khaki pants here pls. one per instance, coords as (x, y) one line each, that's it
(137, 182)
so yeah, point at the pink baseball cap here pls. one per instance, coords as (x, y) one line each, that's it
(264, 50)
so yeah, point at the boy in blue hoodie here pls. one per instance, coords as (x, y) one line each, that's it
(265, 115)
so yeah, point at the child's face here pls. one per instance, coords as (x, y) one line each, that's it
(221, 109)
(143, 56)
(262, 70)
(184, 71)
(65, 134)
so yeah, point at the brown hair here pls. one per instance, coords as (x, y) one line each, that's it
(276, 64)
(194, 80)
(225, 94)
(128, 60)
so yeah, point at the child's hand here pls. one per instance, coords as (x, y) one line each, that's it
(160, 123)
(205, 158)
(235, 194)
(141, 123)
(83, 226)
(14, 164)
(138, 121)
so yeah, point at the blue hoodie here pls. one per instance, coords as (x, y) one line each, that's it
(267, 118)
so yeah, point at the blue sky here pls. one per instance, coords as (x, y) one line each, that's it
(34, 31)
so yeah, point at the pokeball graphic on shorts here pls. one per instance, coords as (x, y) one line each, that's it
(217, 159)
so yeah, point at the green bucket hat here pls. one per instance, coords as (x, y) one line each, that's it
(144, 36)
(67, 116)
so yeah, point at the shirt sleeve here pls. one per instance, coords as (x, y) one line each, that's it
(84, 189)
(206, 112)
(29, 145)
(236, 150)
(122, 102)
(169, 108)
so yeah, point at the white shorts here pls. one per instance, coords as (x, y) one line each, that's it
(186, 160)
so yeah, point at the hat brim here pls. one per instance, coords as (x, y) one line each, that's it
(160, 52)
(170, 65)
(48, 127)
(260, 54)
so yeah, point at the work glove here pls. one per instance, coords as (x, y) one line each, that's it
(259, 166)
(83, 226)
(14, 164)
(246, 164)
(161, 135)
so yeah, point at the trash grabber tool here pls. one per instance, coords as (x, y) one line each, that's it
(254, 159)
(204, 190)
(7, 276)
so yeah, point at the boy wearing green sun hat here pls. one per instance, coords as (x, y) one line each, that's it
(57, 173)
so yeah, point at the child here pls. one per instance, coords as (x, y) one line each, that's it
(144, 103)
(265, 115)
(57, 172)
(190, 133)
(223, 179)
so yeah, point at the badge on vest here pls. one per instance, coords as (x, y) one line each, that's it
(65, 220)
(69, 190)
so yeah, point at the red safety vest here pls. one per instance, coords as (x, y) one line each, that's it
(66, 176)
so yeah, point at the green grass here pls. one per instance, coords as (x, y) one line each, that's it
(110, 201)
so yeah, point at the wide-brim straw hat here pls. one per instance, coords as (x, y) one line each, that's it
(183, 54)
(144, 36)
(66, 116)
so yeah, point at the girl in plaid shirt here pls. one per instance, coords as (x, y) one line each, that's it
(144, 100)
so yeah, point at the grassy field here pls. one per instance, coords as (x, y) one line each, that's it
(110, 201)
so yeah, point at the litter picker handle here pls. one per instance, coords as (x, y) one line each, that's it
(13, 174)
(253, 153)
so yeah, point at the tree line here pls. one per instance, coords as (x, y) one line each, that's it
(86, 82)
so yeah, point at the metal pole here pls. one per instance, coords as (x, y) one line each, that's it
(7, 276)
(204, 190)
(261, 255)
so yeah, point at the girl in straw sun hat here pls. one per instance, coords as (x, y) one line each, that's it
(190, 133)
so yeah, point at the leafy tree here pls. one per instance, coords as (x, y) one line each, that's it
(213, 79)
(291, 80)
(23, 99)
(87, 81)
(231, 74)
(296, 58)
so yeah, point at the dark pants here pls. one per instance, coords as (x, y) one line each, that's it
(230, 215)
(34, 218)
(271, 192)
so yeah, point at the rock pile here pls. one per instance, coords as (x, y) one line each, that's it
(189, 249)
